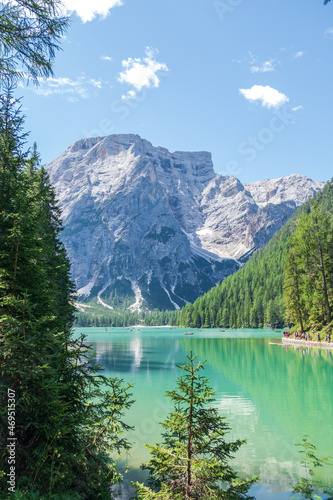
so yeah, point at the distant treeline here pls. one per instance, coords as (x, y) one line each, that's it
(127, 318)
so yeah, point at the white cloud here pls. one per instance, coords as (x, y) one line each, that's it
(269, 97)
(263, 67)
(87, 10)
(72, 90)
(328, 33)
(298, 54)
(140, 73)
(131, 94)
(95, 83)
(297, 108)
(106, 58)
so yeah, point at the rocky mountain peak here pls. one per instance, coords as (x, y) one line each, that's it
(157, 229)
(291, 188)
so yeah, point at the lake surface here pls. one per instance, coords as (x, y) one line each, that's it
(271, 395)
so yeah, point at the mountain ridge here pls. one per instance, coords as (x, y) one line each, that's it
(253, 296)
(155, 229)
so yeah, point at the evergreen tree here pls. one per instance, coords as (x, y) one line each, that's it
(68, 418)
(193, 460)
(30, 31)
(295, 305)
(309, 270)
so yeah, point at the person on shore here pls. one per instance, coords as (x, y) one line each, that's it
(318, 337)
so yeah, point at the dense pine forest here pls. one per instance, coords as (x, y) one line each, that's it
(308, 286)
(254, 296)
(125, 318)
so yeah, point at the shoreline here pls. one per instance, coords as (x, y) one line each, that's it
(307, 343)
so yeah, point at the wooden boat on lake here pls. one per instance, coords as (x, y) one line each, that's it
(188, 333)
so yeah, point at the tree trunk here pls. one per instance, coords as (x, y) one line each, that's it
(298, 297)
(322, 270)
(189, 440)
(323, 274)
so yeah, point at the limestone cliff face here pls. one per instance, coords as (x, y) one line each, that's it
(146, 228)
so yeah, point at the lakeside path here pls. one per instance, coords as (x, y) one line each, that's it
(307, 343)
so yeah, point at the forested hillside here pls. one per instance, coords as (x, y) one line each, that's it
(308, 284)
(253, 296)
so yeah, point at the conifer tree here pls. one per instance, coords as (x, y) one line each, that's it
(68, 418)
(295, 304)
(309, 271)
(193, 460)
(30, 31)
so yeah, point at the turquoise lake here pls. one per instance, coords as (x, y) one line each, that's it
(271, 395)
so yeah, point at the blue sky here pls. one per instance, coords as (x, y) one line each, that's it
(250, 81)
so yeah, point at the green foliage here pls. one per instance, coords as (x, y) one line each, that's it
(306, 486)
(309, 271)
(293, 284)
(100, 317)
(35, 495)
(68, 417)
(250, 298)
(253, 296)
(193, 460)
(30, 31)
(119, 294)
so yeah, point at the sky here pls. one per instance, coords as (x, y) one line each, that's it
(248, 80)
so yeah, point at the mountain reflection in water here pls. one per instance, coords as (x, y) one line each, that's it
(271, 395)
